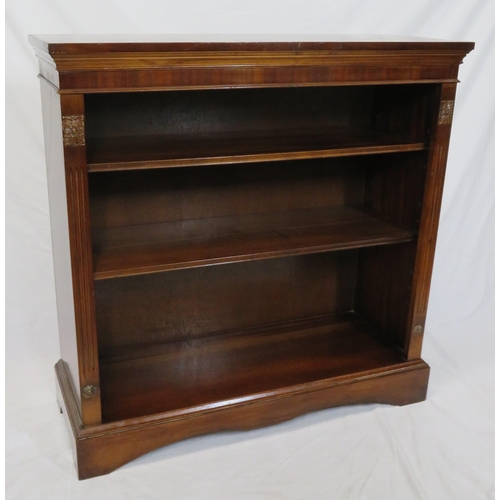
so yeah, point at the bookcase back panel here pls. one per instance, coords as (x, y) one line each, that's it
(162, 195)
(180, 305)
(130, 131)
(401, 108)
(226, 111)
(405, 109)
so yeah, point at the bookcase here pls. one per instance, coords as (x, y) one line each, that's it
(243, 231)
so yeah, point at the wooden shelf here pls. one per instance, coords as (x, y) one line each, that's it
(141, 152)
(223, 371)
(148, 248)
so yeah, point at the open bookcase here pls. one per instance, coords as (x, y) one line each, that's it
(242, 231)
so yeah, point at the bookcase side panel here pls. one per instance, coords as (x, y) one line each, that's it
(75, 161)
(59, 223)
(431, 207)
(70, 228)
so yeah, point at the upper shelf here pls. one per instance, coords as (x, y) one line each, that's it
(156, 151)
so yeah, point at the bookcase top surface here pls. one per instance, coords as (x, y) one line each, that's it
(87, 44)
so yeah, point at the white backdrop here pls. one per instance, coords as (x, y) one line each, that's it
(439, 449)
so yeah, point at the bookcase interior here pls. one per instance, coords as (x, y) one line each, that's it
(247, 272)
(184, 128)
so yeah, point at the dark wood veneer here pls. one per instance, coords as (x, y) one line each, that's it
(224, 370)
(140, 249)
(130, 153)
(284, 269)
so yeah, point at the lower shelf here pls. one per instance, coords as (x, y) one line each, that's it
(222, 371)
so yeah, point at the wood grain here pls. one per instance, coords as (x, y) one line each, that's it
(404, 177)
(175, 129)
(126, 251)
(218, 300)
(122, 65)
(383, 286)
(166, 195)
(103, 448)
(81, 265)
(85, 44)
(438, 153)
(130, 153)
(218, 371)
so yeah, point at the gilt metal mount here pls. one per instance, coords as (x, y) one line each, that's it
(73, 130)
(89, 391)
(445, 112)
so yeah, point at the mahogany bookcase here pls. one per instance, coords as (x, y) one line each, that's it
(243, 231)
